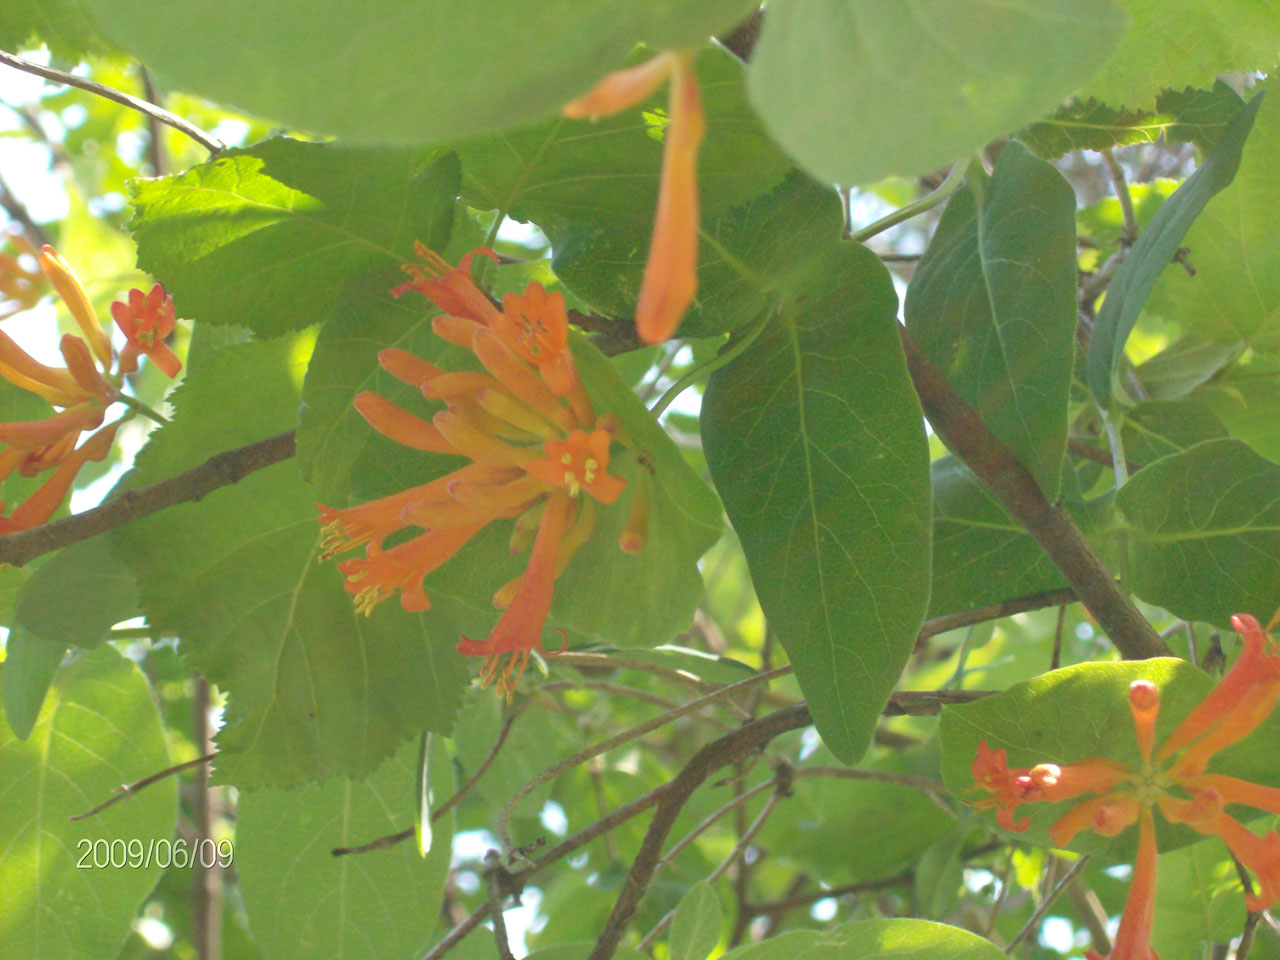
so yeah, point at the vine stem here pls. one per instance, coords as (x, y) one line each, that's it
(1047, 902)
(137, 406)
(502, 830)
(955, 179)
(206, 140)
(731, 350)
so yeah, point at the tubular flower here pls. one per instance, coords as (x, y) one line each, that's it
(539, 456)
(83, 389)
(1171, 777)
(146, 319)
(670, 273)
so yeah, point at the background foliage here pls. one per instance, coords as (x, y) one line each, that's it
(1070, 208)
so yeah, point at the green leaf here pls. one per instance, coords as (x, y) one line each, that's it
(939, 877)
(606, 595)
(29, 666)
(1235, 293)
(1156, 246)
(695, 929)
(981, 555)
(61, 24)
(1182, 116)
(78, 596)
(814, 440)
(993, 304)
(1204, 531)
(1158, 428)
(903, 939)
(314, 690)
(1181, 367)
(405, 71)
(269, 237)
(1081, 712)
(65, 895)
(1198, 898)
(551, 173)
(305, 903)
(858, 90)
(1248, 404)
(1177, 43)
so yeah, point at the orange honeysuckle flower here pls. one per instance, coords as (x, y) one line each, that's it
(671, 271)
(84, 389)
(40, 506)
(146, 319)
(1125, 795)
(538, 456)
(449, 288)
(68, 285)
(20, 288)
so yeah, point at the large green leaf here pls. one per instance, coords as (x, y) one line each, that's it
(1235, 293)
(29, 667)
(993, 304)
(269, 237)
(1156, 246)
(75, 598)
(901, 938)
(1204, 527)
(403, 71)
(304, 903)
(61, 24)
(72, 889)
(1081, 712)
(981, 555)
(314, 690)
(552, 173)
(814, 440)
(857, 90)
(695, 929)
(1189, 115)
(1157, 428)
(1177, 43)
(1198, 898)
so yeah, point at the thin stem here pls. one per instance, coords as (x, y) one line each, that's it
(207, 893)
(732, 349)
(208, 141)
(722, 868)
(955, 179)
(502, 830)
(787, 904)
(127, 790)
(1056, 659)
(1118, 462)
(1046, 903)
(1121, 186)
(391, 840)
(136, 405)
(493, 883)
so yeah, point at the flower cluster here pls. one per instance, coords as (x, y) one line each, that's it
(1172, 778)
(670, 274)
(83, 390)
(535, 446)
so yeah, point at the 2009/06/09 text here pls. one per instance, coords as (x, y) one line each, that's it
(136, 853)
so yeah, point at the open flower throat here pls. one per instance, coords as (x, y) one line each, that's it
(538, 452)
(1173, 779)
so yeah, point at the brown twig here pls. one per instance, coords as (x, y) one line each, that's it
(787, 904)
(994, 611)
(36, 234)
(501, 830)
(220, 470)
(494, 875)
(207, 892)
(1121, 186)
(382, 843)
(729, 748)
(1082, 448)
(963, 431)
(127, 790)
(157, 156)
(209, 142)
(1055, 660)
(1046, 903)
